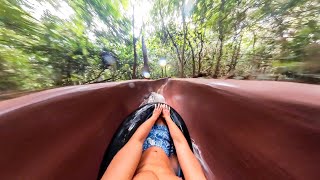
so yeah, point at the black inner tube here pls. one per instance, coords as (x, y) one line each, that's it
(128, 127)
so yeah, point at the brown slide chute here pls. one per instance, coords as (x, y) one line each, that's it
(243, 129)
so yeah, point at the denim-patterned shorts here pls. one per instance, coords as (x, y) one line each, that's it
(159, 136)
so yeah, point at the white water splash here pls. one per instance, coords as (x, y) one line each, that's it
(153, 98)
(203, 163)
(222, 84)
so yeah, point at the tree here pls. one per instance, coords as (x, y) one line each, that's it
(146, 68)
(135, 56)
(214, 38)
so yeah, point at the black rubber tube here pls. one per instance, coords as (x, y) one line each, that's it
(130, 125)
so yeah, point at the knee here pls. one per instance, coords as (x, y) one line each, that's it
(160, 121)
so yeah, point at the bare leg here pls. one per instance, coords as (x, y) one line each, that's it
(125, 162)
(188, 162)
(173, 158)
(174, 163)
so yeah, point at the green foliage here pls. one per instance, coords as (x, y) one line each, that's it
(213, 38)
(255, 36)
(40, 53)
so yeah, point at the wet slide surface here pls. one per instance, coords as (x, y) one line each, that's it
(243, 129)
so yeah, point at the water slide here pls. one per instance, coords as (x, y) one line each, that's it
(240, 129)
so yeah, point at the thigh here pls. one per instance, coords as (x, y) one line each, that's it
(174, 163)
(145, 175)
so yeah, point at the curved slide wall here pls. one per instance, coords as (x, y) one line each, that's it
(243, 129)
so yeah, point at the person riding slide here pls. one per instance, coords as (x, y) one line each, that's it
(149, 154)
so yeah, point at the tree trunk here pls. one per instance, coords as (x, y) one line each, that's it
(68, 72)
(200, 54)
(170, 35)
(184, 39)
(217, 68)
(193, 59)
(235, 62)
(221, 38)
(254, 43)
(255, 59)
(234, 46)
(145, 55)
(135, 56)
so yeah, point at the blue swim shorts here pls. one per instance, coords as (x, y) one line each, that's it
(159, 136)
